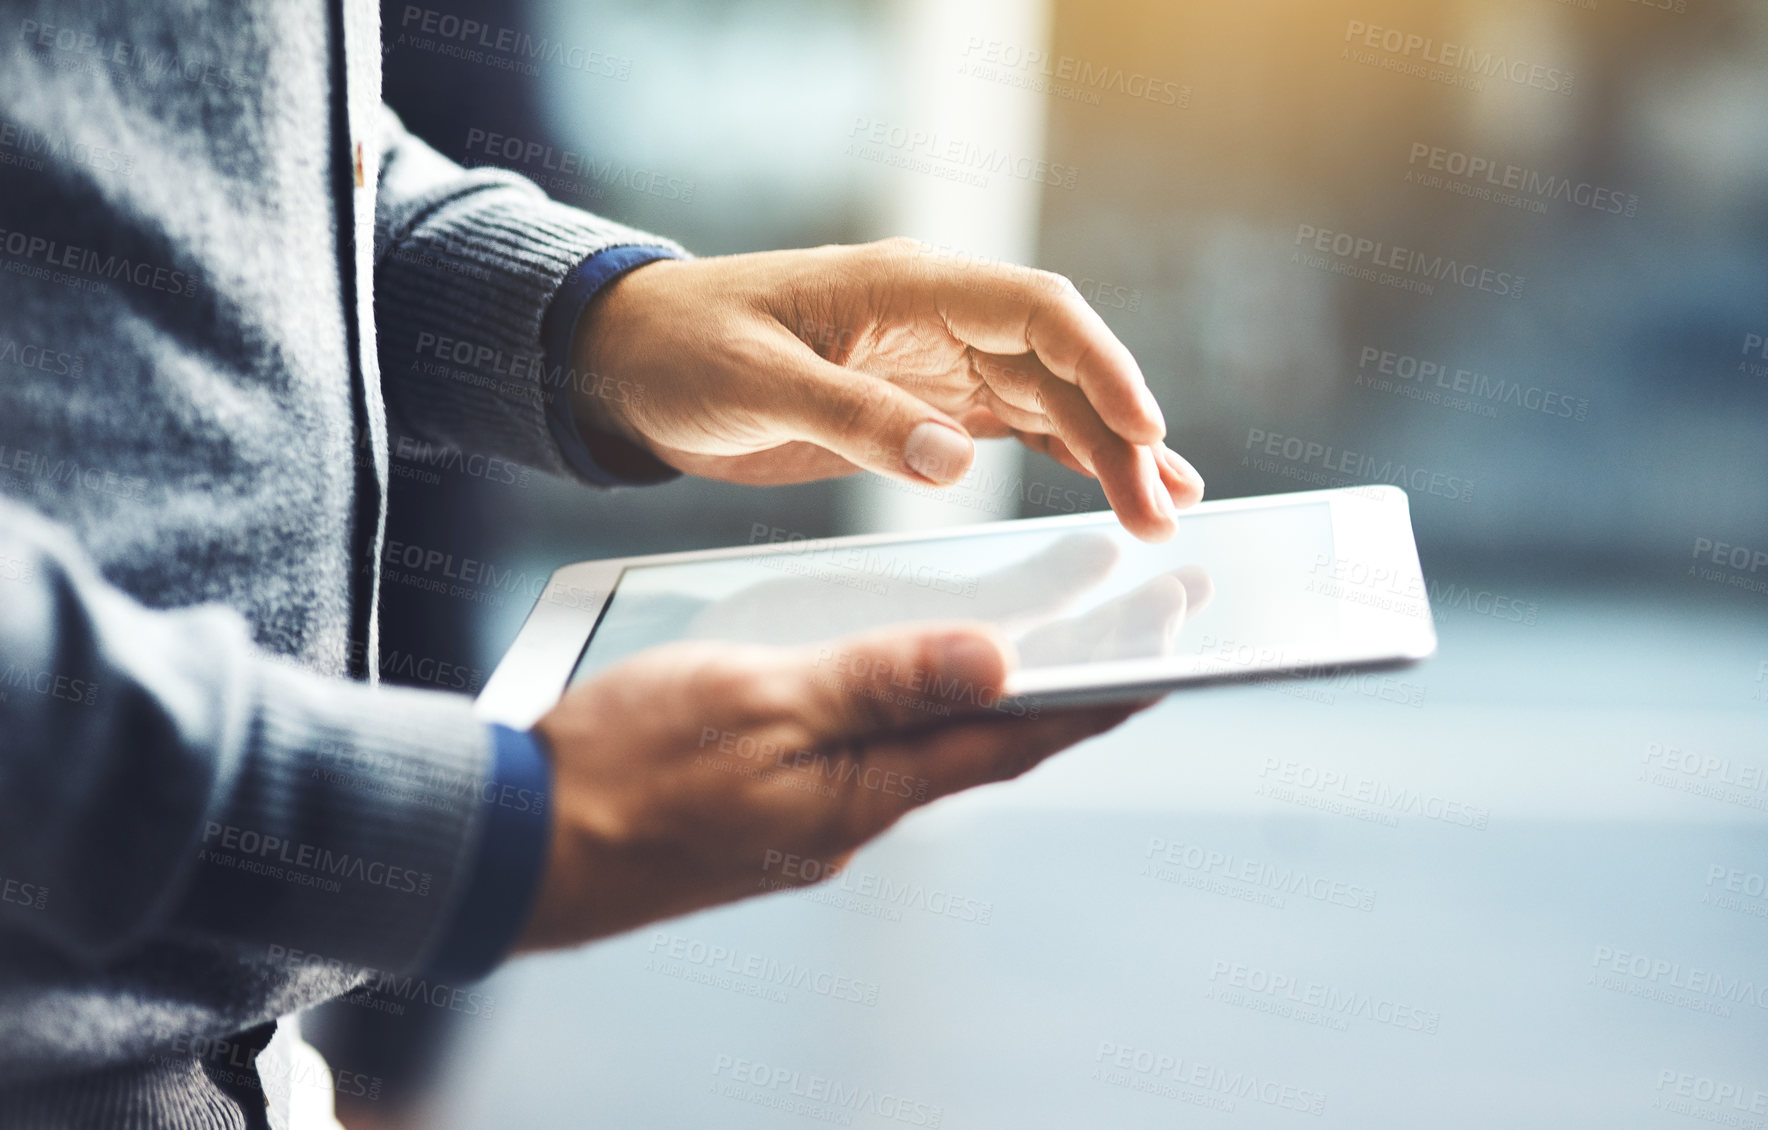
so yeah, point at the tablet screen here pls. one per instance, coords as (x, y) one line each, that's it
(1070, 595)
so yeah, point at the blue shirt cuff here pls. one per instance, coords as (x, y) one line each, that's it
(513, 845)
(558, 329)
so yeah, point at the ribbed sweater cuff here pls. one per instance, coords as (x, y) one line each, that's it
(605, 460)
(459, 299)
(174, 1093)
(499, 890)
(350, 827)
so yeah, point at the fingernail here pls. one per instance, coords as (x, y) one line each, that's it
(1152, 407)
(937, 452)
(1157, 494)
(1183, 465)
(1163, 501)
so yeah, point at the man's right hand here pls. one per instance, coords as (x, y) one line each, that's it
(683, 776)
(788, 366)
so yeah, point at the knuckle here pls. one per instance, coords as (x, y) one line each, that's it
(827, 704)
(863, 706)
(897, 248)
(843, 822)
(735, 688)
(1056, 288)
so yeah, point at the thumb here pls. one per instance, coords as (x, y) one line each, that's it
(902, 678)
(869, 421)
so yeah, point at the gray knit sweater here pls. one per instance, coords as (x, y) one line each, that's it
(218, 254)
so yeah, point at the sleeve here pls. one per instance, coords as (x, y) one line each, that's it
(500, 888)
(158, 773)
(600, 458)
(467, 264)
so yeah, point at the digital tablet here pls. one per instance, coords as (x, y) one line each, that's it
(1308, 583)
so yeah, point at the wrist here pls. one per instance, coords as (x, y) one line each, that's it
(602, 394)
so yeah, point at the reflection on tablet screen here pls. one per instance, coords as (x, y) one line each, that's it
(1072, 595)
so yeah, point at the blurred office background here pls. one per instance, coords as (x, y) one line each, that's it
(1573, 444)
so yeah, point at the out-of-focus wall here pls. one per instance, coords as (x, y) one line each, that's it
(1512, 253)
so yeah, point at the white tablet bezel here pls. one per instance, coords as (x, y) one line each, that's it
(1371, 527)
